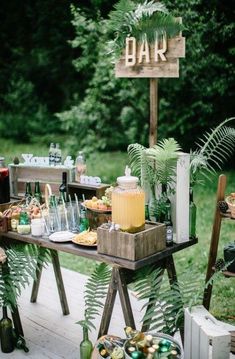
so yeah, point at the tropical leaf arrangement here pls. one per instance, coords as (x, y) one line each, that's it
(20, 266)
(95, 292)
(214, 148)
(145, 20)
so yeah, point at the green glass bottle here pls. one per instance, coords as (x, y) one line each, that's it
(168, 223)
(24, 218)
(37, 192)
(6, 333)
(192, 215)
(63, 189)
(84, 223)
(28, 192)
(86, 346)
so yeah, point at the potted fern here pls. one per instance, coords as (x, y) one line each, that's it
(155, 167)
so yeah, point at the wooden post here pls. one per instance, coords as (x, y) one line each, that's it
(153, 112)
(214, 241)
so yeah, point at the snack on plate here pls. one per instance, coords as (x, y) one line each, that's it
(103, 204)
(86, 237)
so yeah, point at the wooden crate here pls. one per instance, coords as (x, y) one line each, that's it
(132, 246)
(88, 190)
(20, 174)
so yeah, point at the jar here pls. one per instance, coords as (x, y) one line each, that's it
(128, 204)
(4, 182)
(80, 166)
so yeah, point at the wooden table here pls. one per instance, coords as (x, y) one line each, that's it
(122, 272)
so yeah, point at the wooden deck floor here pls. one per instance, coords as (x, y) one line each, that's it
(48, 333)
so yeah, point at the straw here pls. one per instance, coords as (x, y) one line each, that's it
(57, 215)
(71, 207)
(77, 205)
(66, 216)
(83, 197)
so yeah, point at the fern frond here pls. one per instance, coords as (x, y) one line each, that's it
(22, 262)
(164, 155)
(214, 148)
(95, 292)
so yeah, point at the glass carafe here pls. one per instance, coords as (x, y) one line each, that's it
(128, 204)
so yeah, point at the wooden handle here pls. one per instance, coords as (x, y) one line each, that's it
(48, 193)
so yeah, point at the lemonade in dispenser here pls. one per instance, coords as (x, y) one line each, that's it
(128, 204)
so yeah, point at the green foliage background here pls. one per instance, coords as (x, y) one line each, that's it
(54, 61)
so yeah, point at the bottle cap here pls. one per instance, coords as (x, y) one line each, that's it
(128, 181)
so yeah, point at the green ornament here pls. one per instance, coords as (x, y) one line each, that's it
(137, 355)
(165, 342)
(163, 349)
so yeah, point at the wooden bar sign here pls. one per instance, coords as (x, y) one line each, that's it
(160, 59)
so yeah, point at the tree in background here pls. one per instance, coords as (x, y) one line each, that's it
(114, 112)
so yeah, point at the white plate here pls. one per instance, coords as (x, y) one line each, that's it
(63, 236)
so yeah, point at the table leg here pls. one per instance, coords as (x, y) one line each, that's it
(36, 283)
(109, 303)
(59, 281)
(17, 321)
(124, 297)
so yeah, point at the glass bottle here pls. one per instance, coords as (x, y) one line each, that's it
(52, 154)
(6, 333)
(84, 223)
(24, 218)
(63, 189)
(192, 215)
(128, 204)
(37, 192)
(86, 346)
(169, 226)
(58, 157)
(80, 166)
(4, 182)
(28, 192)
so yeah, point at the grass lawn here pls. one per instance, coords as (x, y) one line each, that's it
(110, 165)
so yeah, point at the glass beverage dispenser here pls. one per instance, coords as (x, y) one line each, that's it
(128, 204)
